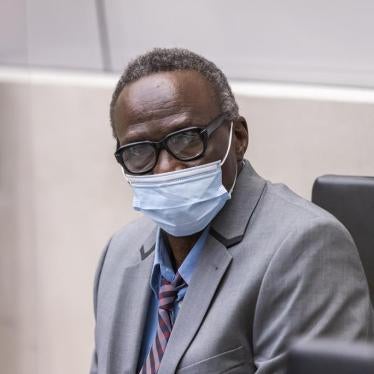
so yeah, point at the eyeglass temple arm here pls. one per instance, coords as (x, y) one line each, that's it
(216, 124)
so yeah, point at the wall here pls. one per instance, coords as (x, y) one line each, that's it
(62, 194)
(318, 41)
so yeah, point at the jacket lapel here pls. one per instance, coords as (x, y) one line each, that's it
(130, 312)
(213, 264)
(231, 222)
(227, 229)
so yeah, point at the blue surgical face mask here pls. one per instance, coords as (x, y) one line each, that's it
(182, 202)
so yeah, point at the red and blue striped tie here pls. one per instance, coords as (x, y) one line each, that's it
(167, 295)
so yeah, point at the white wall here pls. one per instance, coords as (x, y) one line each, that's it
(50, 33)
(62, 194)
(326, 42)
(318, 41)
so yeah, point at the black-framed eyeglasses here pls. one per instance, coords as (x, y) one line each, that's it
(185, 145)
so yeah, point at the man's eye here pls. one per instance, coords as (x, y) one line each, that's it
(135, 151)
(185, 138)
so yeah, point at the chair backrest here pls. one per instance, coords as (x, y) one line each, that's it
(351, 201)
(330, 357)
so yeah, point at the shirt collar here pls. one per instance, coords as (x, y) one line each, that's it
(162, 264)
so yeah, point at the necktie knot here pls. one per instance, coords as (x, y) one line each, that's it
(168, 292)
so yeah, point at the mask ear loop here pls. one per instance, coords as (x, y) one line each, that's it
(229, 146)
(224, 159)
(123, 172)
(233, 185)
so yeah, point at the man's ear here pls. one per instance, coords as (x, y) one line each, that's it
(241, 137)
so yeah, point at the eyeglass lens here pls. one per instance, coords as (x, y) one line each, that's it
(184, 146)
(139, 158)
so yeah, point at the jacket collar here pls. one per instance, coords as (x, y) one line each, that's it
(231, 222)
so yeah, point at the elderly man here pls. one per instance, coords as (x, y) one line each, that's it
(225, 268)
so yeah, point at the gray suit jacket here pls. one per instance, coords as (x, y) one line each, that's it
(274, 267)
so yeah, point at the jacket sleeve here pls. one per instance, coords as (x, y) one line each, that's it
(94, 361)
(314, 286)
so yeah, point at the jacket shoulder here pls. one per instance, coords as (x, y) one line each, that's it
(291, 210)
(125, 245)
(286, 225)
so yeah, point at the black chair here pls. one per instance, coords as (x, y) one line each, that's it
(330, 357)
(351, 201)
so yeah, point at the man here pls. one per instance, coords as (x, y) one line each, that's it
(225, 268)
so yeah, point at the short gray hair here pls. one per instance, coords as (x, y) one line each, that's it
(171, 59)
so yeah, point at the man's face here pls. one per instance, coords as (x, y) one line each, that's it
(159, 104)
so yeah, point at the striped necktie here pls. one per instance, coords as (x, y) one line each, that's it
(167, 295)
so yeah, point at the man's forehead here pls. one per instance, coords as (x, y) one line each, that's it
(164, 93)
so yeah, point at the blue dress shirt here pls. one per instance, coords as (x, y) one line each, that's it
(162, 267)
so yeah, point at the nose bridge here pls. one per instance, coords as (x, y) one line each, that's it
(166, 162)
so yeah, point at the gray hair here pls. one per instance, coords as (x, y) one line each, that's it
(171, 59)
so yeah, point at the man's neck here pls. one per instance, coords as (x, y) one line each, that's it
(180, 247)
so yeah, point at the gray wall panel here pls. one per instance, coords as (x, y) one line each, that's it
(13, 32)
(310, 42)
(50, 33)
(63, 34)
(319, 42)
